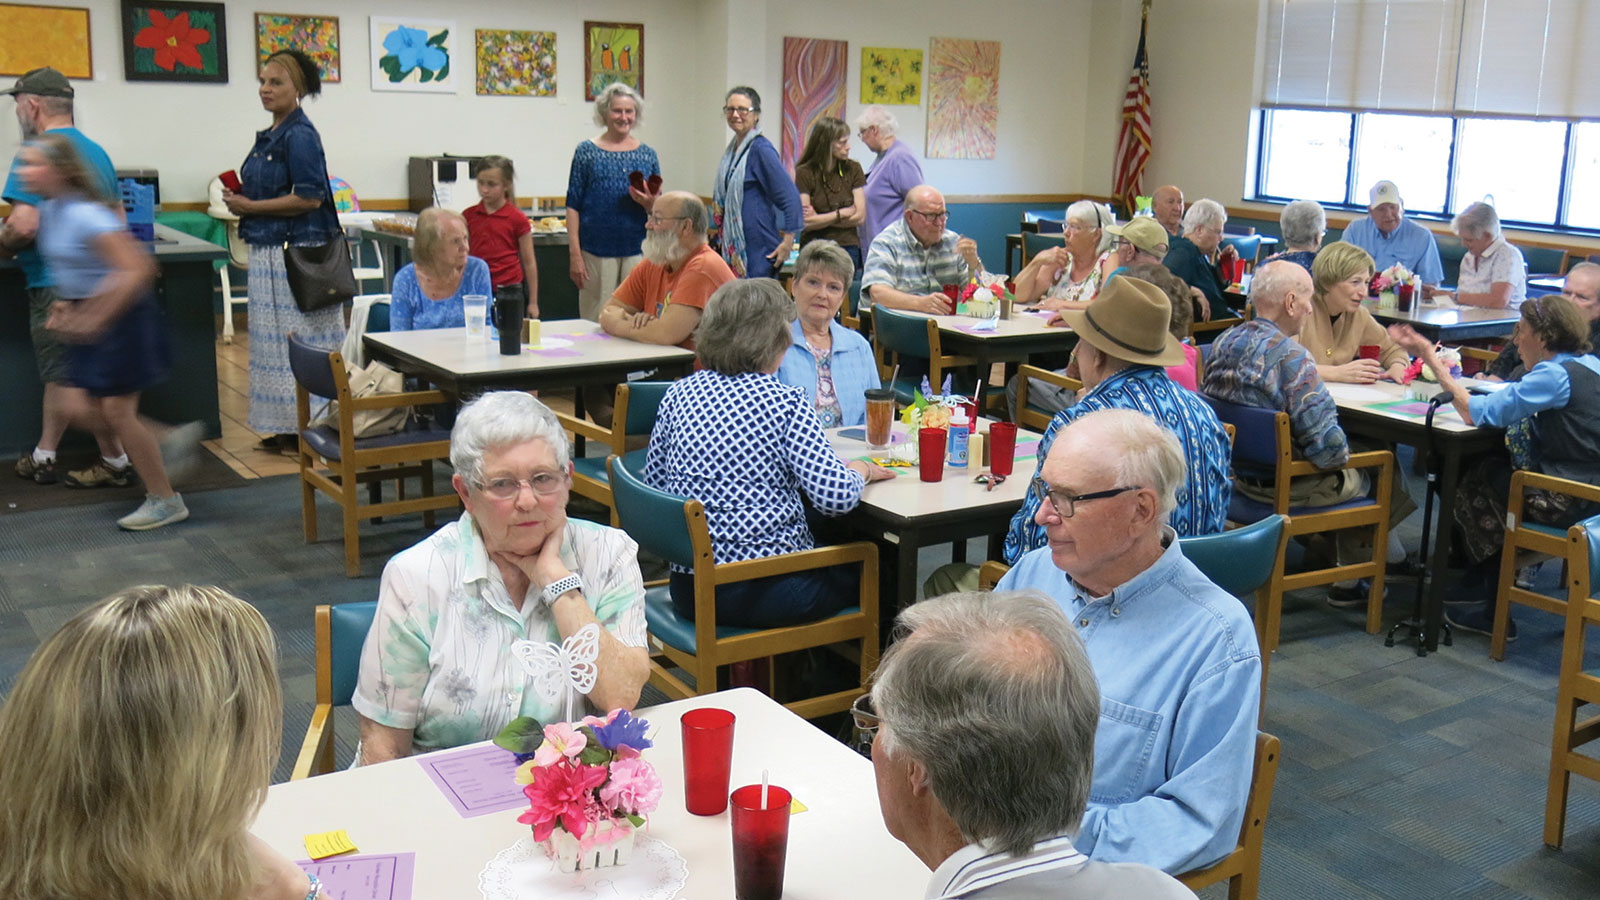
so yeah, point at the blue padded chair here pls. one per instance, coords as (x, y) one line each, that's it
(1263, 450)
(1576, 688)
(1034, 244)
(675, 529)
(334, 461)
(1051, 226)
(1451, 251)
(1247, 246)
(1525, 538)
(851, 315)
(633, 415)
(340, 631)
(1248, 560)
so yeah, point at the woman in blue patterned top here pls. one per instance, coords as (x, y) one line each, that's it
(748, 447)
(833, 364)
(427, 292)
(615, 180)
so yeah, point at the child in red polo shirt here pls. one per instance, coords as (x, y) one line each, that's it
(499, 234)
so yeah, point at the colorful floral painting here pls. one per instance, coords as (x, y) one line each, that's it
(412, 55)
(34, 36)
(814, 73)
(614, 51)
(963, 98)
(891, 76)
(516, 63)
(174, 42)
(316, 36)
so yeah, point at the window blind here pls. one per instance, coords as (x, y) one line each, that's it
(1530, 58)
(1394, 55)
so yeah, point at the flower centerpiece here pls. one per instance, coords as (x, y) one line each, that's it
(983, 296)
(587, 786)
(1387, 282)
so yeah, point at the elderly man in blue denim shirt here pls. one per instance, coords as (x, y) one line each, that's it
(1176, 656)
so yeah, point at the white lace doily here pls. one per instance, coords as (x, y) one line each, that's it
(522, 871)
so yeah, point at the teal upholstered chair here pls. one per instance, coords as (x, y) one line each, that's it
(1248, 560)
(1034, 244)
(674, 529)
(633, 415)
(1576, 688)
(340, 631)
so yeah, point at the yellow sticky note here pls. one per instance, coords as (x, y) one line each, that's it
(329, 843)
(796, 807)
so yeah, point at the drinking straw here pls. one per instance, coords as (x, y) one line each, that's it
(763, 788)
(894, 375)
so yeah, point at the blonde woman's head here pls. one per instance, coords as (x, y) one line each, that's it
(441, 241)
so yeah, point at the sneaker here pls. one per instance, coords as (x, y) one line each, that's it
(180, 450)
(1350, 597)
(39, 473)
(1477, 618)
(155, 513)
(101, 474)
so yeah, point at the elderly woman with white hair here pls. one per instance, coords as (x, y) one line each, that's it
(437, 669)
(1304, 224)
(1196, 257)
(614, 181)
(427, 292)
(895, 172)
(1068, 277)
(749, 448)
(1493, 273)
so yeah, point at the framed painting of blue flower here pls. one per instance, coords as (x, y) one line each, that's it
(413, 54)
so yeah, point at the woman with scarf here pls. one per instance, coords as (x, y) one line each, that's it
(751, 184)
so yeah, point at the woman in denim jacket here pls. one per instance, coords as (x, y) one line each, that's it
(283, 201)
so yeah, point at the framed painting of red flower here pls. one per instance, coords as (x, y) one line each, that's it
(174, 41)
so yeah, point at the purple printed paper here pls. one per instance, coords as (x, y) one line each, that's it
(1026, 450)
(476, 780)
(591, 336)
(370, 876)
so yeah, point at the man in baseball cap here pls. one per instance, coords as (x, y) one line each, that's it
(1391, 238)
(42, 82)
(1140, 241)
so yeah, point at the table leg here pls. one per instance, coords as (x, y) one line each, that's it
(1444, 530)
(905, 569)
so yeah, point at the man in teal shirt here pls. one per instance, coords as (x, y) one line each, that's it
(44, 103)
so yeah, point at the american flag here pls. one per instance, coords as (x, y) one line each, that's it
(1133, 142)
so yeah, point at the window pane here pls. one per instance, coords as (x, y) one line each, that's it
(1308, 153)
(1515, 160)
(1583, 208)
(1411, 151)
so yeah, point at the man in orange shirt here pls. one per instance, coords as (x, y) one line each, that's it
(661, 299)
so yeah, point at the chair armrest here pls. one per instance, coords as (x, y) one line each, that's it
(584, 428)
(788, 563)
(1371, 459)
(1477, 353)
(317, 736)
(990, 573)
(404, 398)
(1523, 478)
(1046, 375)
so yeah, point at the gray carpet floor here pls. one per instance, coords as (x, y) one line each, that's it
(1401, 777)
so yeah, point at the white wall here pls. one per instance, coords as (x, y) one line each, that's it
(695, 50)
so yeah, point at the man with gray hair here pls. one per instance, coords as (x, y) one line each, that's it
(1199, 254)
(661, 299)
(1582, 287)
(970, 673)
(895, 172)
(1391, 238)
(1175, 655)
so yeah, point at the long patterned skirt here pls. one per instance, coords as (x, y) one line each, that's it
(273, 316)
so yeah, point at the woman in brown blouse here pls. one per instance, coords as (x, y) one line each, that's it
(832, 188)
(1339, 326)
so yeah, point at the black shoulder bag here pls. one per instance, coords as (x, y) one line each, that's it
(320, 276)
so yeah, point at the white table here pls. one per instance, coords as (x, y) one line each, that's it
(1451, 323)
(911, 513)
(837, 848)
(1014, 340)
(579, 354)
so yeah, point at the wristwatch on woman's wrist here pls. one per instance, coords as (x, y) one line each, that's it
(555, 589)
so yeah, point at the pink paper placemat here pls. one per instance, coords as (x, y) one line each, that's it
(369, 876)
(591, 336)
(476, 780)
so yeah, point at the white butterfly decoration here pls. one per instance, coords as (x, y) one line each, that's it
(556, 667)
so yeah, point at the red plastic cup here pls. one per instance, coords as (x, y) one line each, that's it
(707, 754)
(1002, 447)
(1404, 295)
(972, 413)
(930, 453)
(760, 842)
(1369, 351)
(953, 291)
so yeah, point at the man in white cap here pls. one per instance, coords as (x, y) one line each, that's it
(1391, 238)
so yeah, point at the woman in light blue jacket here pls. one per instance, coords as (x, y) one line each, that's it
(833, 364)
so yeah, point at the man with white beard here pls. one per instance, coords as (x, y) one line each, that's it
(661, 299)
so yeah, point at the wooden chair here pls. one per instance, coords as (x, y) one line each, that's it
(1241, 869)
(897, 334)
(350, 461)
(340, 631)
(675, 529)
(1033, 417)
(1209, 330)
(633, 415)
(1262, 448)
(1248, 560)
(990, 573)
(1576, 688)
(1530, 538)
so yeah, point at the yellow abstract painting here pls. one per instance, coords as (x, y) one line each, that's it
(891, 76)
(34, 36)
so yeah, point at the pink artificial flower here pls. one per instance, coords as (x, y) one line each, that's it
(600, 721)
(561, 795)
(560, 739)
(634, 787)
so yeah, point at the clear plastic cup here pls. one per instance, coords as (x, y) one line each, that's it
(476, 309)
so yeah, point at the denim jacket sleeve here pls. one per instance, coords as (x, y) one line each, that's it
(288, 160)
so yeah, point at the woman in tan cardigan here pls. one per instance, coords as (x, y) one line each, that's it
(1338, 325)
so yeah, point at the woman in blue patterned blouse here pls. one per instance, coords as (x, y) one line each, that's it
(615, 180)
(427, 292)
(748, 447)
(833, 364)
